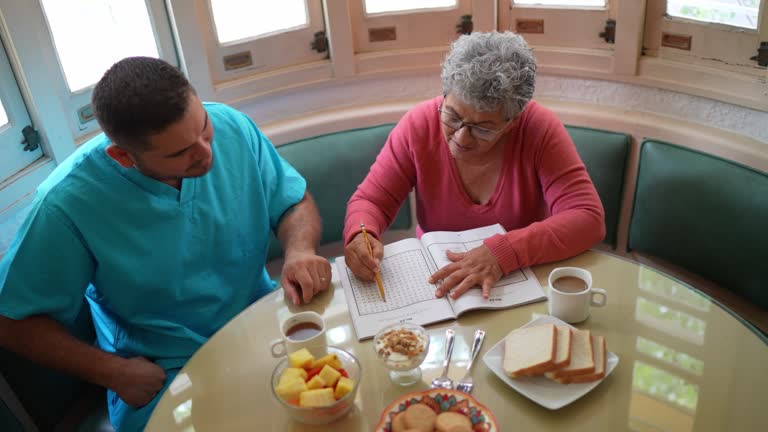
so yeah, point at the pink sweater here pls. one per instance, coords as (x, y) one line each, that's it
(544, 197)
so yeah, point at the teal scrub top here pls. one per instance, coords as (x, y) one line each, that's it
(162, 268)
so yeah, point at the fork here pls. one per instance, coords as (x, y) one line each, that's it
(443, 381)
(465, 384)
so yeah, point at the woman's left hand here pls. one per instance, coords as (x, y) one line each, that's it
(477, 267)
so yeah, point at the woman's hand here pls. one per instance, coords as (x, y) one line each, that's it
(477, 267)
(359, 260)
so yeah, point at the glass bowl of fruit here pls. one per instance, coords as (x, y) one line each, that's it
(317, 386)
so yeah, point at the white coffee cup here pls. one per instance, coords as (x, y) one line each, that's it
(302, 330)
(571, 299)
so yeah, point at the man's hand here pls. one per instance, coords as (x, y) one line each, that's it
(468, 269)
(304, 276)
(358, 259)
(137, 381)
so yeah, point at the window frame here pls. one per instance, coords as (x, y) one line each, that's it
(714, 45)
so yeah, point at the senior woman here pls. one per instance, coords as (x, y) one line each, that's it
(483, 153)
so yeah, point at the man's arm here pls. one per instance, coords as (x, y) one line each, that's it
(304, 273)
(45, 341)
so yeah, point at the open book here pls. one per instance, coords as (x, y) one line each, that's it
(405, 270)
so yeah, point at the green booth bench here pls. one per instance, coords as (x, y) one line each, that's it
(705, 214)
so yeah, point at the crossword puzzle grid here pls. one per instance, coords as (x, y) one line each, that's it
(405, 282)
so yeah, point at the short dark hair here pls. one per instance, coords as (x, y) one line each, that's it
(138, 97)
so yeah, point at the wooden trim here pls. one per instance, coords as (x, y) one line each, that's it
(630, 23)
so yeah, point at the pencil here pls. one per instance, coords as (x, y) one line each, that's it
(370, 252)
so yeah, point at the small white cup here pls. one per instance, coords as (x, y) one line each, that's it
(288, 343)
(574, 307)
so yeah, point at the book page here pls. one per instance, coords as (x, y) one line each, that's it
(404, 271)
(517, 288)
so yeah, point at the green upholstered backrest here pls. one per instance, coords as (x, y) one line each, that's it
(334, 165)
(605, 156)
(705, 214)
(45, 394)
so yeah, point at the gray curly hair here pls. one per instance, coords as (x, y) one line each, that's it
(489, 71)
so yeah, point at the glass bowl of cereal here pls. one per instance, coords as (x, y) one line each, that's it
(402, 347)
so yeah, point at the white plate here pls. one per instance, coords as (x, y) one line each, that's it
(540, 389)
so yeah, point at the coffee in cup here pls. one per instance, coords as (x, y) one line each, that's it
(571, 294)
(302, 330)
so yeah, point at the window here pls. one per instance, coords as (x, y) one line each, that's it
(570, 3)
(243, 37)
(379, 6)
(239, 21)
(738, 13)
(429, 26)
(85, 37)
(722, 34)
(550, 23)
(13, 118)
(89, 36)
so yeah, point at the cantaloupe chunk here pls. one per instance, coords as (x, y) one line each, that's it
(317, 398)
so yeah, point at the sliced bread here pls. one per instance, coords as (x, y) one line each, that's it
(530, 350)
(563, 356)
(582, 361)
(601, 361)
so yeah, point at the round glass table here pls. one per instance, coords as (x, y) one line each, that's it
(685, 364)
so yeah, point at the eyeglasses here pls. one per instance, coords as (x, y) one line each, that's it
(456, 124)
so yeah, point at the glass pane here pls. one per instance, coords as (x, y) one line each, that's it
(378, 6)
(245, 19)
(91, 35)
(3, 115)
(739, 13)
(599, 3)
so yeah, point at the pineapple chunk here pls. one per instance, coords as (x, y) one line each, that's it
(301, 358)
(315, 383)
(329, 375)
(331, 360)
(289, 373)
(344, 386)
(317, 398)
(291, 388)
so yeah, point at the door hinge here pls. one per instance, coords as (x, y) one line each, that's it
(31, 139)
(319, 42)
(762, 54)
(609, 34)
(465, 25)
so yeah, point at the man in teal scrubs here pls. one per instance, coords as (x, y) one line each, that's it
(162, 224)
